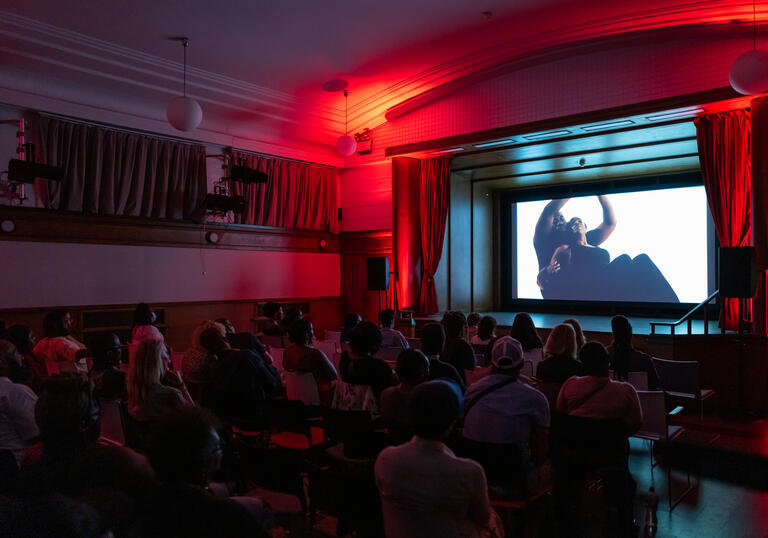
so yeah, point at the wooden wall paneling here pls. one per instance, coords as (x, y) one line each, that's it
(356, 247)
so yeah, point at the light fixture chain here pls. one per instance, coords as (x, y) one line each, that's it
(346, 112)
(185, 43)
(754, 24)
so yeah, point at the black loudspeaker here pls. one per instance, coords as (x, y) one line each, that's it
(378, 273)
(26, 172)
(738, 272)
(247, 175)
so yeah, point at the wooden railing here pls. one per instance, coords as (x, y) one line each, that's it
(689, 317)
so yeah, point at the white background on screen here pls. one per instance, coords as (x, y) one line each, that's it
(669, 225)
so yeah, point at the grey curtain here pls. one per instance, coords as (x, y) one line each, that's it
(110, 172)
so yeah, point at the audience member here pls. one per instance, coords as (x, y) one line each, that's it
(425, 489)
(457, 352)
(486, 331)
(473, 319)
(242, 340)
(301, 357)
(359, 365)
(292, 315)
(112, 479)
(143, 325)
(580, 340)
(108, 380)
(59, 349)
(185, 451)
(274, 314)
(198, 361)
(560, 362)
(432, 344)
(51, 516)
(625, 358)
(18, 430)
(33, 369)
(351, 321)
(241, 380)
(500, 408)
(153, 388)
(391, 337)
(412, 369)
(524, 331)
(595, 395)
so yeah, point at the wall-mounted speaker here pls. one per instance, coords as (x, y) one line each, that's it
(738, 272)
(378, 273)
(247, 175)
(26, 172)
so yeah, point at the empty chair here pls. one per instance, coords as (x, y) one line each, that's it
(302, 386)
(656, 427)
(639, 380)
(680, 379)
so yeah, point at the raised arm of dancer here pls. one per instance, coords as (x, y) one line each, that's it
(605, 229)
(545, 222)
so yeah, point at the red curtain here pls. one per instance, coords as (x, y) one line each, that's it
(296, 195)
(434, 196)
(724, 153)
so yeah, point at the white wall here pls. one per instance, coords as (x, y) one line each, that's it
(53, 274)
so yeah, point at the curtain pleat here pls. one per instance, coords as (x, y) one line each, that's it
(296, 195)
(110, 172)
(724, 152)
(433, 203)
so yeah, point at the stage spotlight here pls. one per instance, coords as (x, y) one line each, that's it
(247, 175)
(26, 172)
(220, 202)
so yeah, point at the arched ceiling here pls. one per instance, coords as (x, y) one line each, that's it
(262, 64)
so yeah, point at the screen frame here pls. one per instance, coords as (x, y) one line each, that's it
(507, 244)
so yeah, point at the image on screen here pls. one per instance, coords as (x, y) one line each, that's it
(646, 246)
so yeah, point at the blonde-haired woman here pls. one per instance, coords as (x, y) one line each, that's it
(198, 361)
(153, 388)
(560, 356)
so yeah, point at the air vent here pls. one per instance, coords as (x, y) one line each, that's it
(495, 143)
(548, 134)
(452, 150)
(607, 125)
(675, 114)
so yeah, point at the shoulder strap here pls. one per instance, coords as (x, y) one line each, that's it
(586, 397)
(471, 403)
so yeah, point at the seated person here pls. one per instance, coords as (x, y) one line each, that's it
(473, 320)
(112, 479)
(486, 331)
(390, 337)
(351, 321)
(241, 379)
(524, 331)
(33, 369)
(198, 361)
(580, 340)
(500, 408)
(108, 380)
(143, 325)
(301, 357)
(432, 344)
(359, 366)
(458, 353)
(18, 430)
(595, 395)
(425, 489)
(560, 356)
(59, 349)
(625, 358)
(152, 387)
(241, 340)
(412, 369)
(185, 451)
(274, 314)
(292, 315)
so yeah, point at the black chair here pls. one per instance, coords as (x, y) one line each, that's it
(353, 433)
(581, 448)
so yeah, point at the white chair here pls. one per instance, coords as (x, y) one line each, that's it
(112, 427)
(389, 355)
(656, 427)
(328, 347)
(639, 380)
(301, 386)
(333, 336)
(277, 357)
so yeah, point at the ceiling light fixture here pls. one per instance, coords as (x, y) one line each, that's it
(749, 72)
(183, 112)
(345, 144)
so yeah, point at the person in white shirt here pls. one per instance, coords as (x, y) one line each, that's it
(18, 430)
(143, 328)
(425, 489)
(391, 337)
(59, 349)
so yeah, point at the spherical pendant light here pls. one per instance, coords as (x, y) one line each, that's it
(749, 72)
(184, 113)
(345, 144)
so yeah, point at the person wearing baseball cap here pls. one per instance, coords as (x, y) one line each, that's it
(500, 408)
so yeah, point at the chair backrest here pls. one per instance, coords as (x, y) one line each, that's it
(654, 408)
(639, 380)
(503, 463)
(678, 376)
(176, 359)
(481, 352)
(301, 386)
(389, 355)
(277, 357)
(328, 347)
(550, 389)
(528, 368)
(587, 444)
(112, 427)
(351, 397)
(333, 336)
(414, 343)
